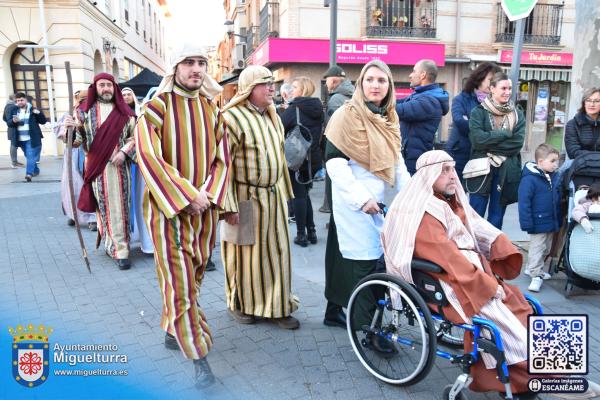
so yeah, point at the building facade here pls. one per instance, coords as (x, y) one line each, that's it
(291, 37)
(116, 36)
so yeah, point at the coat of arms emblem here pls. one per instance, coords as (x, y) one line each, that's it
(30, 354)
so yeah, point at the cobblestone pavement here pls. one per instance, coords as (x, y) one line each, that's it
(43, 279)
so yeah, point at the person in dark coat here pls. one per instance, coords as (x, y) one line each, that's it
(27, 134)
(421, 112)
(582, 133)
(496, 132)
(539, 210)
(312, 117)
(9, 110)
(475, 90)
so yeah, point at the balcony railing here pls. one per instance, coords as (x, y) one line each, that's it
(269, 20)
(402, 18)
(543, 26)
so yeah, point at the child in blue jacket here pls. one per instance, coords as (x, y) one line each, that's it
(539, 210)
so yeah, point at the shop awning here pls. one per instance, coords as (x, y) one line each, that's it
(542, 74)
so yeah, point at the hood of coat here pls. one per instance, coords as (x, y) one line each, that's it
(346, 88)
(309, 106)
(437, 92)
(531, 168)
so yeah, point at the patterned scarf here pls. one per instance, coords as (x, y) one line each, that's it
(502, 116)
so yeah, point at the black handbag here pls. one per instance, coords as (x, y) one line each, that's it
(297, 145)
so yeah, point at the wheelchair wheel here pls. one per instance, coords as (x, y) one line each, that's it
(383, 308)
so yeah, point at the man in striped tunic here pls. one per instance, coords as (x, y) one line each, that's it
(184, 158)
(105, 129)
(257, 271)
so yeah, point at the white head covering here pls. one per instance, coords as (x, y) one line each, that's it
(209, 89)
(406, 212)
(137, 103)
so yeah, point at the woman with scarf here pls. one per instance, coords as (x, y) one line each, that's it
(362, 156)
(497, 133)
(475, 90)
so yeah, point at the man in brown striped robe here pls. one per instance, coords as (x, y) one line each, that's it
(257, 262)
(184, 158)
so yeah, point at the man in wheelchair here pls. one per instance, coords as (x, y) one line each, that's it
(431, 219)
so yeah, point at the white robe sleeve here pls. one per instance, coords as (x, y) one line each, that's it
(351, 190)
(402, 175)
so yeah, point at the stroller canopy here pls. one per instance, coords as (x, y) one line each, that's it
(585, 170)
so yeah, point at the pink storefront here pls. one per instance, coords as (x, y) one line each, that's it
(288, 58)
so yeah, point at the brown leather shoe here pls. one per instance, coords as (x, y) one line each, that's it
(288, 322)
(242, 318)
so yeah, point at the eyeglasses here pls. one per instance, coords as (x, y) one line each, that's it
(592, 101)
(268, 84)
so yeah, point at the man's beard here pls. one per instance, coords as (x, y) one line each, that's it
(105, 98)
(186, 87)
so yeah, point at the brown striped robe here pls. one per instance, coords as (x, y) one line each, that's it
(182, 149)
(474, 287)
(112, 188)
(258, 277)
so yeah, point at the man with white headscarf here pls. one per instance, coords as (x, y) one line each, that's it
(184, 158)
(257, 261)
(431, 219)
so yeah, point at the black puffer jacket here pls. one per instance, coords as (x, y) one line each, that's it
(312, 117)
(582, 135)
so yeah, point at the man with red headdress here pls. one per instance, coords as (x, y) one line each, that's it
(105, 129)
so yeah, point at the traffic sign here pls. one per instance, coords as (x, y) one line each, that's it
(517, 9)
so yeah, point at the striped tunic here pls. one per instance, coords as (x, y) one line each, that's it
(112, 188)
(258, 277)
(182, 150)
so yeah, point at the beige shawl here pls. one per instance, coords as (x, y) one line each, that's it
(370, 139)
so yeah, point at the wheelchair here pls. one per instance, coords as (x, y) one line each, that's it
(396, 336)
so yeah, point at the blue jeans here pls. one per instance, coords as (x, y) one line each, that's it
(480, 203)
(32, 154)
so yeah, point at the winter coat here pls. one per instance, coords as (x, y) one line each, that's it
(582, 135)
(539, 201)
(499, 142)
(35, 133)
(581, 210)
(312, 117)
(459, 145)
(9, 110)
(420, 115)
(338, 97)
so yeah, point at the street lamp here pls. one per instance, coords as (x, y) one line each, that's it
(231, 30)
(108, 46)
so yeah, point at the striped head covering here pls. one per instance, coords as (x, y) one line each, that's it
(209, 89)
(406, 212)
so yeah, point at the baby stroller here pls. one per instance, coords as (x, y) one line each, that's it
(580, 263)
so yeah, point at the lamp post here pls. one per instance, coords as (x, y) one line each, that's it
(332, 4)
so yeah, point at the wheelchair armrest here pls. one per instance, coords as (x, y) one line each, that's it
(425, 266)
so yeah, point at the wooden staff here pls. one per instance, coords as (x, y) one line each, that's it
(70, 168)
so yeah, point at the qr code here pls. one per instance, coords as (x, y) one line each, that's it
(557, 344)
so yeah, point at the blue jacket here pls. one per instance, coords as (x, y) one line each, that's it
(420, 115)
(35, 133)
(539, 201)
(459, 145)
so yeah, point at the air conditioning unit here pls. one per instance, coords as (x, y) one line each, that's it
(237, 57)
